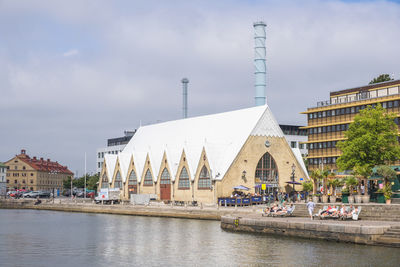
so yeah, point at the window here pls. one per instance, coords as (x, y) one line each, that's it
(333, 112)
(104, 181)
(15, 181)
(310, 116)
(165, 178)
(184, 179)
(293, 144)
(15, 168)
(31, 174)
(384, 104)
(132, 178)
(99, 155)
(118, 181)
(266, 171)
(204, 179)
(148, 179)
(301, 146)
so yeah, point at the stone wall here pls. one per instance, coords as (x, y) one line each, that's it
(360, 234)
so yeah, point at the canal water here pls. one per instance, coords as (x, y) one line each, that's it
(50, 238)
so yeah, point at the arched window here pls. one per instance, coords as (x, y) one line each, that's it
(204, 179)
(148, 179)
(118, 181)
(184, 179)
(104, 181)
(266, 171)
(165, 178)
(132, 178)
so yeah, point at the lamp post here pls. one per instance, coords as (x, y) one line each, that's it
(293, 174)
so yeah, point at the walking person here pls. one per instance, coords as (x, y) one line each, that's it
(310, 207)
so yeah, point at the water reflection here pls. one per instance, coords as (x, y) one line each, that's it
(46, 238)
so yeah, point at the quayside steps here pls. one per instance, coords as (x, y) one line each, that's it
(390, 237)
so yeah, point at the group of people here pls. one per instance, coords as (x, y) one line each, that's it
(334, 212)
(278, 210)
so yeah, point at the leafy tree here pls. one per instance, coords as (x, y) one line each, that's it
(92, 181)
(67, 183)
(381, 78)
(387, 173)
(316, 177)
(371, 141)
(351, 182)
(307, 186)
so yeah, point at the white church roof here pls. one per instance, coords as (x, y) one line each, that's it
(221, 135)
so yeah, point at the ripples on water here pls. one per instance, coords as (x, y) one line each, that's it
(47, 238)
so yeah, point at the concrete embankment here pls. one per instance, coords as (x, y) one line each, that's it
(359, 232)
(205, 213)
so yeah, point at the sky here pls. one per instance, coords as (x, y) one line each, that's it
(75, 73)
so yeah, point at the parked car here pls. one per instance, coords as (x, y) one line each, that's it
(44, 194)
(32, 194)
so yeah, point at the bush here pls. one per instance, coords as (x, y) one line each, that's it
(307, 186)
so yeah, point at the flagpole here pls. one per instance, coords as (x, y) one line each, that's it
(84, 192)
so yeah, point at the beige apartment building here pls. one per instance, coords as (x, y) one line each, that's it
(32, 173)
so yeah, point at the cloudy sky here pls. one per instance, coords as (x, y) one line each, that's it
(74, 73)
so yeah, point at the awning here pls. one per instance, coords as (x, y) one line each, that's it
(241, 187)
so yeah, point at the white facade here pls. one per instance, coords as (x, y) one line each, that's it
(112, 150)
(295, 141)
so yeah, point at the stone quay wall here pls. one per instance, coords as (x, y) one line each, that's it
(335, 231)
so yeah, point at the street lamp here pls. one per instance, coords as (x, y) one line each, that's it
(293, 174)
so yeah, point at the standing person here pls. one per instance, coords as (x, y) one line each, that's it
(310, 207)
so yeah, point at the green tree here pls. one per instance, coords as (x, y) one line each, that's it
(351, 182)
(381, 78)
(67, 183)
(92, 181)
(316, 177)
(307, 186)
(371, 141)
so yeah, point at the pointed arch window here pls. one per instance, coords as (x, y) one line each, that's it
(104, 181)
(148, 178)
(184, 179)
(132, 178)
(118, 181)
(204, 179)
(266, 171)
(165, 178)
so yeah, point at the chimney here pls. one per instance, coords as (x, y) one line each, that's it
(34, 158)
(23, 151)
(41, 159)
(185, 82)
(259, 62)
(48, 160)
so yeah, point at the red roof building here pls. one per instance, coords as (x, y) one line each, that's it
(32, 173)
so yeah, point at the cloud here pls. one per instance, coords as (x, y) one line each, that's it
(71, 53)
(122, 63)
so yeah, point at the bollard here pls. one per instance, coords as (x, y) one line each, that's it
(225, 203)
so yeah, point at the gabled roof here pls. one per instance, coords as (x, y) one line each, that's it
(221, 135)
(110, 161)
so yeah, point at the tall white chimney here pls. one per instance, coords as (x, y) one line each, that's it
(259, 63)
